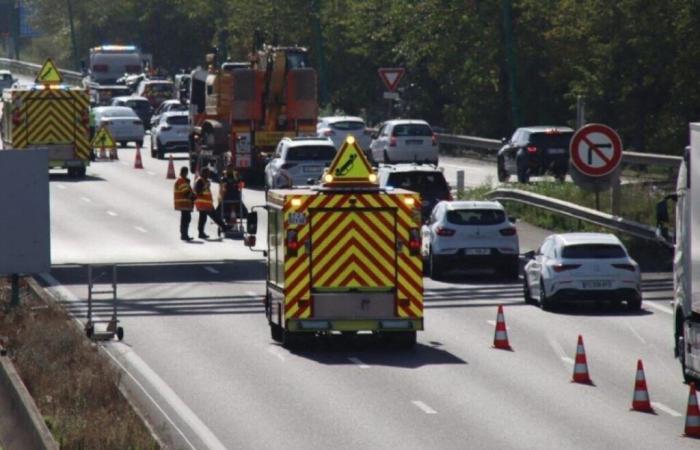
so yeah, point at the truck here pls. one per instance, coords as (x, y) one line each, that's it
(686, 261)
(239, 112)
(51, 116)
(111, 62)
(342, 256)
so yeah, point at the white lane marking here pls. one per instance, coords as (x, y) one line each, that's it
(273, 350)
(177, 405)
(359, 362)
(636, 333)
(85, 199)
(252, 294)
(124, 163)
(568, 360)
(559, 350)
(211, 269)
(112, 213)
(423, 407)
(150, 173)
(60, 186)
(661, 308)
(141, 229)
(666, 409)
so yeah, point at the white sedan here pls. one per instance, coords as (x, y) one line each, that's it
(122, 122)
(582, 267)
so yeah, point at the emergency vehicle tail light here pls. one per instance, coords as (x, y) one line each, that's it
(409, 201)
(350, 139)
(414, 241)
(16, 120)
(372, 178)
(292, 242)
(296, 202)
(328, 178)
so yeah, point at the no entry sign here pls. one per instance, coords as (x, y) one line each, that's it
(595, 150)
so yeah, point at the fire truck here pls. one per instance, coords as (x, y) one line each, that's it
(342, 256)
(239, 113)
(49, 115)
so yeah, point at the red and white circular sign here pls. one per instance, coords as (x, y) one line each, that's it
(596, 150)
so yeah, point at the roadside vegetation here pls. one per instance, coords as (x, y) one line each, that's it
(73, 385)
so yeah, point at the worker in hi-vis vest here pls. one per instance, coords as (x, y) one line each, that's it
(204, 202)
(184, 202)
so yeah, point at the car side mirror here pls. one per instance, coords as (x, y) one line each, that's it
(529, 255)
(252, 223)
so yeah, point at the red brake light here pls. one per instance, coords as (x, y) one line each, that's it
(85, 119)
(508, 231)
(292, 242)
(414, 243)
(328, 132)
(392, 142)
(629, 267)
(532, 149)
(442, 231)
(16, 119)
(563, 267)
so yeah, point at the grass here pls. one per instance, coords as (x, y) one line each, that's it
(73, 385)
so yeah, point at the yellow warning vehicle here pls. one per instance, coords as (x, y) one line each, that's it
(49, 115)
(343, 256)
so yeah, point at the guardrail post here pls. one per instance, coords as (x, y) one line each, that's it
(460, 183)
(615, 195)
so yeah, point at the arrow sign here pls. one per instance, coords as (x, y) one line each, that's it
(596, 150)
(391, 76)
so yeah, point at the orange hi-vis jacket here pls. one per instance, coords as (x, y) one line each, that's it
(183, 195)
(204, 200)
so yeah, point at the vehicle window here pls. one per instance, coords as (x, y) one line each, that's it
(383, 130)
(162, 88)
(311, 153)
(177, 120)
(546, 246)
(557, 140)
(412, 130)
(476, 216)
(278, 152)
(348, 125)
(138, 105)
(6, 77)
(420, 181)
(118, 112)
(593, 251)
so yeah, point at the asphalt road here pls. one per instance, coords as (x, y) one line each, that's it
(198, 352)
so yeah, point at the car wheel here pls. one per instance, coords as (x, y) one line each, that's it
(123, 143)
(291, 339)
(153, 148)
(160, 153)
(681, 356)
(503, 175)
(276, 332)
(545, 302)
(521, 160)
(526, 292)
(80, 172)
(523, 175)
(634, 304)
(386, 158)
(436, 268)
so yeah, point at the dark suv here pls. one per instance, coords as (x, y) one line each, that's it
(425, 179)
(534, 151)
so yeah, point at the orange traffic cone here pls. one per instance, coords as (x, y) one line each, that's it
(103, 152)
(138, 163)
(640, 400)
(500, 338)
(171, 170)
(692, 416)
(580, 365)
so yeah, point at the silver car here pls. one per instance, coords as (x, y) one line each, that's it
(299, 161)
(337, 128)
(404, 141)
(122, 122)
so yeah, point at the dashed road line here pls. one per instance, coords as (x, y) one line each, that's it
(211, 269)
(423, 407)
(112, 213)
(150, 173)
(661, 308)
(141, 229)
(273, 350)
(666, 409)
(358, 362)
(636, 333)
(559, 350)
(252, 294)
(86, 200)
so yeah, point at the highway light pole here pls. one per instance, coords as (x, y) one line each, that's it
(318, 31)
(506, 8)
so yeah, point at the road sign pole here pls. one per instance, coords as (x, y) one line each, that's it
(460, 183)
(14, 298)
(615, 197)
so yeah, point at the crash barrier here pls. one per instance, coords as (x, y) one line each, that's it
(575, 211)
(31, 69)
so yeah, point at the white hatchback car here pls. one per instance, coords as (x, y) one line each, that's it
(337, 128)
(582, 267)
(297, 161)
(404, 141)
(122, 122)
(170, 134)
(470, 235)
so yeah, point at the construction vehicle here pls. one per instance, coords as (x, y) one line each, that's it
(686, 261)
(49, 115)
(342, 256)
(240, 112)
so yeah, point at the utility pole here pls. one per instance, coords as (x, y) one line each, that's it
(76, 63)
(318, 31)
(506, 8)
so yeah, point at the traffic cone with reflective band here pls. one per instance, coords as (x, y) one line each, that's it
(500, 338)
(171, 170)
(138, 163)
(640, 400)
(103, 152)
(580, 364)
(692, 416)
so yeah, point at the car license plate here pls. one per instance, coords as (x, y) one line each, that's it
(414, 141)
(597, 284)
(557, 151)
(297, 218)
(477, 251)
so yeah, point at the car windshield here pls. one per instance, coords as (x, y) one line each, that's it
(558, 140)
(476, 216)
(418, 181)
(138, 105)
(117, 112)
(412, 129)
(177, 120)
(593, 251)
(161, 88)
(348, 125)
(311, 153)
(6, 76)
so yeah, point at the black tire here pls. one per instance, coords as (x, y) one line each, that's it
(386, 158)
(123, 143)
(526, 292)
(160, 153)
(503, 175)
(521, 160)
(291, 339)
(523, 176)
(120, 333)
(634, 304)
(545, 302)
(153, 148)
(80, 172)
(405, 339)
(436, 269)
(276, 332)
(512, 269)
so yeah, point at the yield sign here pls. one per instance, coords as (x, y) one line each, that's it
(596, 150)
(391, 76)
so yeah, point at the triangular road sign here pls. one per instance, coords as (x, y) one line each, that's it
(49, 74)
(103, 139)
(350, 167)
(391, 76)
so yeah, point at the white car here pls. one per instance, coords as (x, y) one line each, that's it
(404, 141)
(582, 267)
(465, 235)
(6, 80)
(122, 122)
(166, 106)
(337, 128)
(297, 161)
(170, 134)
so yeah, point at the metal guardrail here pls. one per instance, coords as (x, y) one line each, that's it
(574, 211)
(31, 69)
(490, 147)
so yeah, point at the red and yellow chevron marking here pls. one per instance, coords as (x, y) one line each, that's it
(354, 240)
(52, 116)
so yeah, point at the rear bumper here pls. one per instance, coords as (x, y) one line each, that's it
(383, 325)
(176, 146)
(495, 258)
(579, 295)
